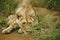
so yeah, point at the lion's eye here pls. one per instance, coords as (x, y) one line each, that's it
(23, 23)
(30, 23)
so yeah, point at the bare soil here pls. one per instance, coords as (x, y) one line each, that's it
(15, 36)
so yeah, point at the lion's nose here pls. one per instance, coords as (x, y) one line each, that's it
(27, 27)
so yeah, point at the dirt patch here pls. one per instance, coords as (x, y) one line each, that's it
(15, 36)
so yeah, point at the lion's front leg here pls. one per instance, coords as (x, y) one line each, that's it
(9, 29)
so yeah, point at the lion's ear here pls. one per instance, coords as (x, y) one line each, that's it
(20, 11)
(32, 12)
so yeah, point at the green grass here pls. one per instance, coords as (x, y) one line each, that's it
(2, 21)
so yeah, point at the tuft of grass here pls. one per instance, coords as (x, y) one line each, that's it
(2, 21)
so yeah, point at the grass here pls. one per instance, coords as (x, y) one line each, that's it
(2, 21)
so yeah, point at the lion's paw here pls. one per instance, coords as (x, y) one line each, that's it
(6, 31)
(20, 31)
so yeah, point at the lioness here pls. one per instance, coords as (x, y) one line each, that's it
(28, 16)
